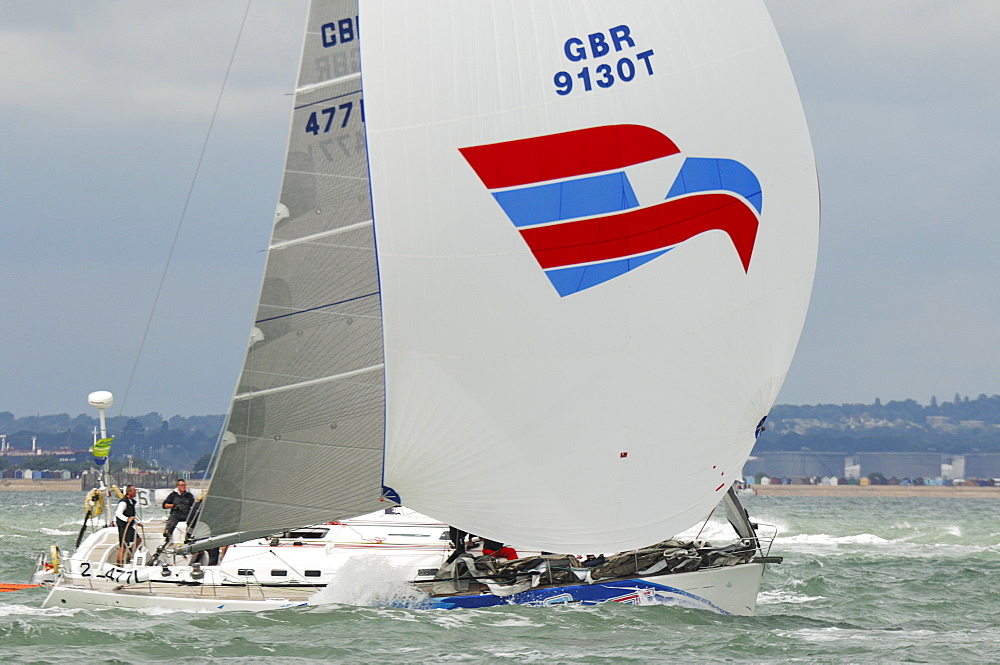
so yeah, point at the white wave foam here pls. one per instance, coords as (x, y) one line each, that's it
(55, 532)
(953, 530)
(908, 546)
(28, 610)
(452, 620)
(389, 613)
(834, 634)
(829, 634)
(516, 622)
(826, 539)
(783, 596)
(368, 580)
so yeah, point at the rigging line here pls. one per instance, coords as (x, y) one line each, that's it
(187, 202)
(705, 524)
(294, 570)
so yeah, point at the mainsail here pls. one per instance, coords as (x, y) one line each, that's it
(305, 433)
(596, 229)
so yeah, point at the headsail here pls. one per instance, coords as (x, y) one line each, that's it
(305, 432)
(597, 226)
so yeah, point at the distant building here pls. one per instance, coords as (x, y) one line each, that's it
(808, 464)
(71, 457)
(19, 457)
(900, 465)
(982, 465)
(796, 464)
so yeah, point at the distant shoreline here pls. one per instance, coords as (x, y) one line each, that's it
(47, 484)
(881, 491)
(59, 485)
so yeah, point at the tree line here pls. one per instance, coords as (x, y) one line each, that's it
(960, 426)
(185, 443)
(153, 442)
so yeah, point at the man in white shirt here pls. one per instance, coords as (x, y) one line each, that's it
(126, 520)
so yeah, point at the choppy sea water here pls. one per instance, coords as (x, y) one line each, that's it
(864, 579)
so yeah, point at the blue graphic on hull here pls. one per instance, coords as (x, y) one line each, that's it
(634, 592)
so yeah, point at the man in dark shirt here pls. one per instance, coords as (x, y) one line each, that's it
(179, 502)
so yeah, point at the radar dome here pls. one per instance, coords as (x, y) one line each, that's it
(102, 399)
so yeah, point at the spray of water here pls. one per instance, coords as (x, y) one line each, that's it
(369, 581)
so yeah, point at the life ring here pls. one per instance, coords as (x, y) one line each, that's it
(54, 558)
(94, 503)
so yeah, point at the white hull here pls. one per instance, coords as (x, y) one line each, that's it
(309, 555)
(288, 570)
(728, 590)
(192, 599)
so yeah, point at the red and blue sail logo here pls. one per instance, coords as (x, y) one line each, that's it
(570, 197)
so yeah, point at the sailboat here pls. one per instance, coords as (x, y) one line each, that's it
(538, 271)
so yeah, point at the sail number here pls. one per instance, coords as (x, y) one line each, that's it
(599, 46)
(112, 573)
(322, 121)
(339, 32)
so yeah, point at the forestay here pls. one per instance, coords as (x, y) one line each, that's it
(597, 228)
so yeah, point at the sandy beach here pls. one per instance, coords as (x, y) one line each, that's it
(19, 484)
(48, 485)
(51, 485)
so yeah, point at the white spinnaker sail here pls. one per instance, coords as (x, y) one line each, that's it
(597, 394)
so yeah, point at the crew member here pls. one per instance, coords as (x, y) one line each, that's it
(498, 550)
(126, 520)
(179, 503)
(457, 538)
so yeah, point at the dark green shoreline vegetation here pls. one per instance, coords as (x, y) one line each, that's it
(960, 426)
(151, 441)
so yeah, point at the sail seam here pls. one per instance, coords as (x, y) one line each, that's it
(318, 307)
(316, 236)
(311, 382)
(323, 84)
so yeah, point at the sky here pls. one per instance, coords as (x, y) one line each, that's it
(105, 108)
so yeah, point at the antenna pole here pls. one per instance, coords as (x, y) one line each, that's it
(102, 401)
